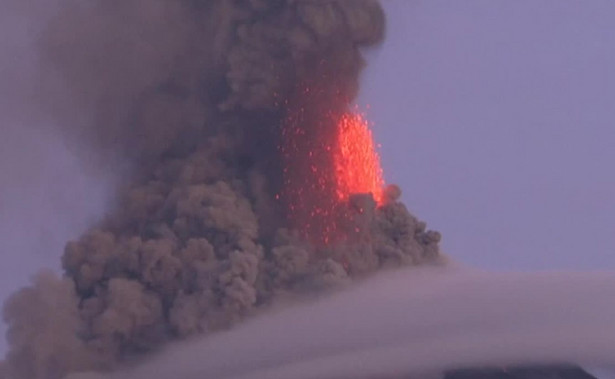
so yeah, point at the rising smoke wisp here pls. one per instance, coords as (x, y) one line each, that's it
(193, 98)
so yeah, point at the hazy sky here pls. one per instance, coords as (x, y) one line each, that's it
(46, 197)
(497, 119)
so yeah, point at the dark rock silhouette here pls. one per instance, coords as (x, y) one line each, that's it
(523, 372)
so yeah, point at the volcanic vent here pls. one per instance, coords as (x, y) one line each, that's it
(324, 171)
(252, 177)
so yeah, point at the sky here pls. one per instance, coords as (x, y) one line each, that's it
(496, 118)
(46, 196)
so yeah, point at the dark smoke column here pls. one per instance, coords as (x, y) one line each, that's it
(194, 95)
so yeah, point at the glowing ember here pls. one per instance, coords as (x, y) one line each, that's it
(327, 158)
(357, 164)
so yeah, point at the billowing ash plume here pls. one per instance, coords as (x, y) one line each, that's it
(193, 95)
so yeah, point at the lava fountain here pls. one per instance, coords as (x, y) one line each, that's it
(357, 163)
(328, 157)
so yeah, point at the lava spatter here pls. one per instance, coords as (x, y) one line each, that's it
(327, 159)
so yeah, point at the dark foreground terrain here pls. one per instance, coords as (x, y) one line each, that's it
(534, 372)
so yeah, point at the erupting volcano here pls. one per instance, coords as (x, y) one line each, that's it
(357, 163)
(324, 169)
(248, 179)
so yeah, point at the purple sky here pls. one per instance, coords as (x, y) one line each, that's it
(497, 119)
(46, 196)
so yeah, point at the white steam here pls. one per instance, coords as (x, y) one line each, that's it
(413, 321)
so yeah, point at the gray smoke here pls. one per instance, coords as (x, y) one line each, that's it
(186, 101)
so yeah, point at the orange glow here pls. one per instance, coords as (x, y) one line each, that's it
(357, 163)
(327, 156)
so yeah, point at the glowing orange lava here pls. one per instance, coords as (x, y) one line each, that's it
(327, 158)
(357, 163)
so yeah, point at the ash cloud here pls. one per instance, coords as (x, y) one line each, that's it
(186, 101)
